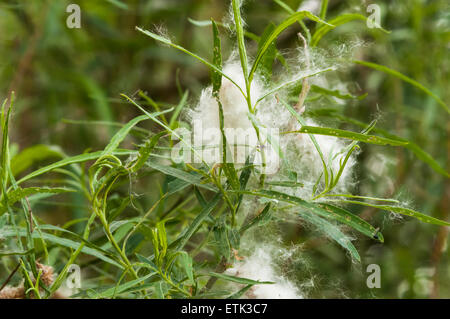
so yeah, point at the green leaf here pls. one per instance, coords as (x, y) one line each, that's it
(403, 77)
(33, 154)
(285, 183)
(178, 109)
(370, 139)
(324, 226)
(240, 293)
(16, 253)
(190, 178)
(187, 234)
(146, 150)
(340, 20)
(276, 32)
(336, 93)
(404, 211)
(186, 262)
(258, 219)
(420, 153)
(353, 221)
(267, 60)
(20, 193)
(108, 293)
(324, 210)
(9, 232)
(221, 237)
(240, 38)
(216, 77)
(323, 9)
(331, 231)
(125, 130)
(239, 280)
(147, 261)
(71, 160)
(121, 134)
(119, 4)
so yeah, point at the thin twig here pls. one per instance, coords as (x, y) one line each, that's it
(9, 277)
(299, 107)
(30, 213)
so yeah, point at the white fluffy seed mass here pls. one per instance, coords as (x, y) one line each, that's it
(299, 156)
(259, 266)
(238, 127)
(312, 6)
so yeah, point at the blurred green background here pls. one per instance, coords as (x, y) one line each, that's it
(61, 74)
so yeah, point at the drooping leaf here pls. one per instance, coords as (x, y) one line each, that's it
(190, 178)
(404, 211)
(405, 78)
(240, 280)
(276, 32)
(71, 160)
(33, 154)
(196, 223)
(328, 211)
(20, 193)
(333, 23)
(370, 139)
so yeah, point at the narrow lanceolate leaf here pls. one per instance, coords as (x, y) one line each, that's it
(5, 140)
(9, 232)
(328, 211)
(336, 93)
(16, 253)
(178, 109)
(33, 154)
(190, 178)
(354, 221)
(404, 211)
(276, 32)
(108, 293)
(123, 132)
(146, 150)
(216, 77)
(240, 38)
(331, 231)
(187, 263)
(240, 293)
(419, 152)
(20, 193)
(285, 183)
(71, 160)
(220, 231)
(403, 77)
(262, 216)
(342, 19)
(323, 9)
(239, 280)
(427, 158)
(370, 139)
(267, 60)
(184, 238)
